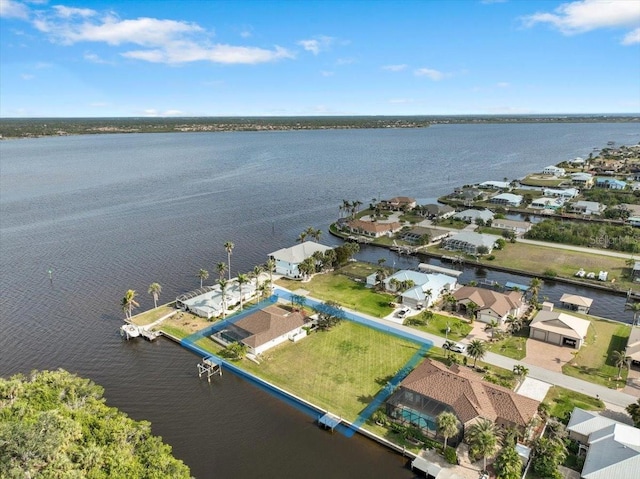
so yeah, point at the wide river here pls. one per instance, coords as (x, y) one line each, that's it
(108, 213)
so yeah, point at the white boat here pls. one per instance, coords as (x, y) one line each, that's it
(128, 331)
(591, 275)
(603, 275)
(580, 273)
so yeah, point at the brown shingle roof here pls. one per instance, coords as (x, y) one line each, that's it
(500, 303)
(374, 226)
(468, 395)
(269, 323)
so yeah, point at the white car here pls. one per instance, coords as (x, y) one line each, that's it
(455, 347)
(403, 312)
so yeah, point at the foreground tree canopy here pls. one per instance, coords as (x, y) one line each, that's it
(56, 424)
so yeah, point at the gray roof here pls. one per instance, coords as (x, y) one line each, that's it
(475, 214)
(298, 253)
(476, 239)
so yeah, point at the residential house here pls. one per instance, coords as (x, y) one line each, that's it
(559, 328)
(433, 388)
(635, 272)
(553, 171)
(422, 235)
(495, 185)
(433, 211)
(566, 193)
(469, 195)
(426, 289)
(507, 199)
(610, 183)
(399, 203)
(545, 203)
(265, 329)
(209, 302)
(583, 180)
(587, 207)
(491, 305)
(577, 303)
(472, 216)
(612, 448)
(518, 227)
(373, 229)
(288, 259)
(633, 346)
(469, 242)
(577, 161)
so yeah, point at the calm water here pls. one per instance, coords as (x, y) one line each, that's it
(113, 212)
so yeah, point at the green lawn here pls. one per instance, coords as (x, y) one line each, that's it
(514, 347)
(346, 291)
(593, 362)
(438, 325)
(538, 180)
(340, 370)
(562, 401)
(152, 315)
(360, 269)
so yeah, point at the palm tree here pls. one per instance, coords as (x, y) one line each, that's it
(242, 279)
(635, 307)
(203, 274)
(633, 410)
(472, 309)
(316, 235)
(514, 322)
(448, 425)
(154, 290)
(493, 324)
(520, 370)
(482, 438)
(476, 350)
(450, 300)
(302, 237)
(508, 464)
(271, 267)
(534, 289)
(129, 301)
(229, 247)
(620, 361)
(223, 288)
(257, 271)
(221, 268)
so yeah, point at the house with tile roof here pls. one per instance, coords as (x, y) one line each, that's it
(288, 259)
(433, 388)
(492, 305)
(399, 203)
(612, 448)
(559, 328)
(373, 229)
(265, 329)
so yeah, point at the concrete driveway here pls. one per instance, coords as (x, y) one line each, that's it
(547, 356)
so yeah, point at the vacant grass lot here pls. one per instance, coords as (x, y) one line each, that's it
(593, 362)
(340, 370)
(562, 402)
(346, 291)
(438, 326)
(152, 315)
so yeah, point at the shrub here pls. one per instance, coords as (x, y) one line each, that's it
(450, 455)
(491, 257)
(550, 273)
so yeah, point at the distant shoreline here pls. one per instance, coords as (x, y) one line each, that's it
(13, 128)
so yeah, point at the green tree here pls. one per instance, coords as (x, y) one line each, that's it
(298, 301)
(221, 268)
(257, 271)
(242, 279)
(203, 274)
(228, 246)
(129, 302)
(493, 325)
(482, 438)
(472, 309)
(620, 361)
(270, 266)
(476, 350)
(448, 425)
(330, 313)
(154, 290)
(482, 250)
(547, 456)
(534, 290)
(633, 410)
(302, 237)
(307, 267)
(236, 350)
(223, 290)
(508, 464)
(520, 370)
(635, 307)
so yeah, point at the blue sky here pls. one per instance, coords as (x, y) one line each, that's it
(233, 58)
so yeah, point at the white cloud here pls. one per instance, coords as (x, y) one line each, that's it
(161, 41)
(503, 84)
(434, 75)
(632, 37)
(345, 61)
(13, 9)
(395, 68)
(317, 44)
(27, 76)
(325, 73)
(586, 15)
(94, 58)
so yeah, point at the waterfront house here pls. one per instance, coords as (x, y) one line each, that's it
(581, 304)
(427, 287)
(633, 346)
(582, 180)
(471, 216)
(469, 242)
(398, 203)
(433, 388)
(265, 329)
(208, 302)
(491, 305)
(587, 207)
(566, 193)
(469, 195)
(288, 259)
(433, 211)
(559, 328)
(422, 235)
(553, 171)
(612, 448)
(495, 185)
(507, 199)
(546, 203)
(610, 183)
(373, 229)
(517, 227)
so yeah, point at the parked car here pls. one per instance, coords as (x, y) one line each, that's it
(403, 312)
(455, 347)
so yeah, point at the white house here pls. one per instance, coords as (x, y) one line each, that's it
(546, 203)
(495, 185)
(518, 227)
(567, 193)
(587, 207)
(469, 242)
(473, 215)
(426, 290)
(209, 302)
(288, 259)
(508, 199)
(584, 180)
(553, 171)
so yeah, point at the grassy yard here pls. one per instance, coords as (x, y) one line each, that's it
(593, 362)
(438, 325)
(340, 370)
(514, 347)
(152, 315)
(360, 269)
(562, 401)
(539, 180)
(346, 291)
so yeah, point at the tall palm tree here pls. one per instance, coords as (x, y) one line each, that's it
(534, 290)
(129, 301)
(476, 350)
(633, 410)
(482, 438)
(223, 288)
(302, 237)
(619, 361)
(472, 309)
(221, 268)
(242, 279)
(514, 323)
(154, 290)
(635, 307)
(316, 235)
(493, 324)
(229, 247)
(448, 425)
(203, 274)
(257, 271)
(271, 267)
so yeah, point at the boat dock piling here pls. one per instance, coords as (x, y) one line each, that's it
(329, 421)
(209, 367)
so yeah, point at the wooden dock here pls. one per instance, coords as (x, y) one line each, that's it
(209, 368)
(329, 421)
